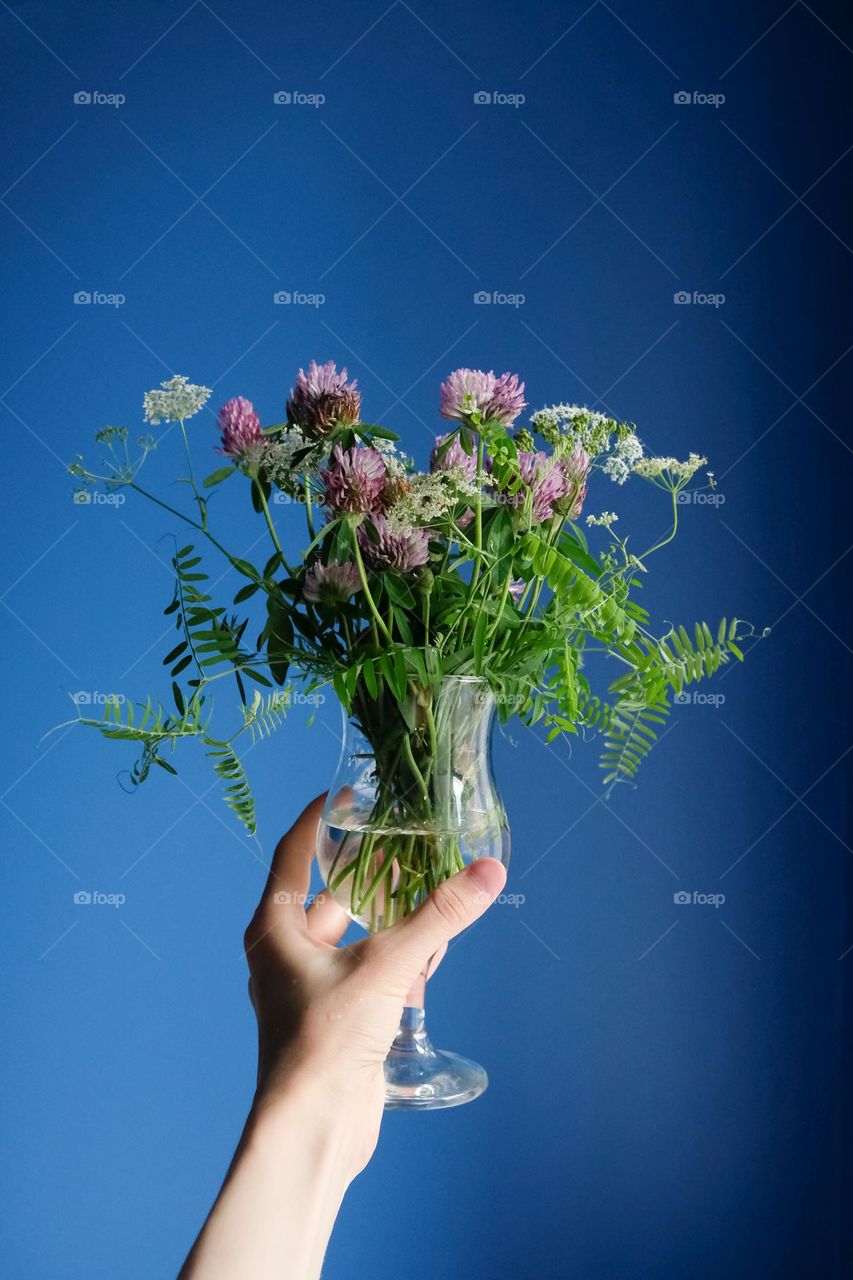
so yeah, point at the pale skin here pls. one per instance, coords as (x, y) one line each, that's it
(326, 1017)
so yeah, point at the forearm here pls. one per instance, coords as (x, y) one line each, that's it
(274, 1215)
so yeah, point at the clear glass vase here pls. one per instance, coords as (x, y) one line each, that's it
(413, 801)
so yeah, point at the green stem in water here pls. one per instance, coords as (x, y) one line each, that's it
(407, 748)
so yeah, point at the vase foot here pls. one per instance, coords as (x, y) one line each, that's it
(421, 1078)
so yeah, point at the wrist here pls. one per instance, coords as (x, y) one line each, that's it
(332, 1117)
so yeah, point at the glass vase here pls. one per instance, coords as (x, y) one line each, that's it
(413, 802)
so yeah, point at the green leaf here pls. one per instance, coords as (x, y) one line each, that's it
(368, 672)
(371, 429)
(174, 653)
(499, 535)
(247, 570)
(398, 590)
(279, 641)
(245, 593)
(216, 477)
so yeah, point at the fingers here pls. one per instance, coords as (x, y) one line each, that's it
(449, 909)
(290, 872)
(326, 920)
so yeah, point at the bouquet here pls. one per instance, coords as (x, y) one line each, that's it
(415, 590)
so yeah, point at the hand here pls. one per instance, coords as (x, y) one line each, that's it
(326, 1019)
(327, 1013)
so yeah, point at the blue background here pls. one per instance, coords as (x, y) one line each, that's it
(666, 1081)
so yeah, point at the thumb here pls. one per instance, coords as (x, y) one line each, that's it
(449, 909)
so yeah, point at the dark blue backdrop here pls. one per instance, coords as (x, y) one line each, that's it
(666, 1095)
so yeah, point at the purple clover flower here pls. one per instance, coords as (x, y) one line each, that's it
(323, 399)
(498, 400)
(576, 466)
(331, 583)
(404, 550)
(354, 480)
(240, 427)
(546, 480)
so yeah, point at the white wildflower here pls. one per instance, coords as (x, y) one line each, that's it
(604, 521)
(177, 400)
(623, 459)
(429, 497)
(397, 464)
(670, 470)
(283, 467)
(567, 417)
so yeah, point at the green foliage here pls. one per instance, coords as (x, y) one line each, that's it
(265, 714)
(508, 593)
(237, 793)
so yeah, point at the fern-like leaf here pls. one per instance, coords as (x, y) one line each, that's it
(237, 793)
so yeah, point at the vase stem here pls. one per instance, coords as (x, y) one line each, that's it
(416, 1074)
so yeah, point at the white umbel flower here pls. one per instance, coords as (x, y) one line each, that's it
(622, 459)
(177, 400)
(670, 469)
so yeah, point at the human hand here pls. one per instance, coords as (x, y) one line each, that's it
(326, 1014)
(326, 1019)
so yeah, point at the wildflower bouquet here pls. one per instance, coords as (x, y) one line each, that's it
(476, 567)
